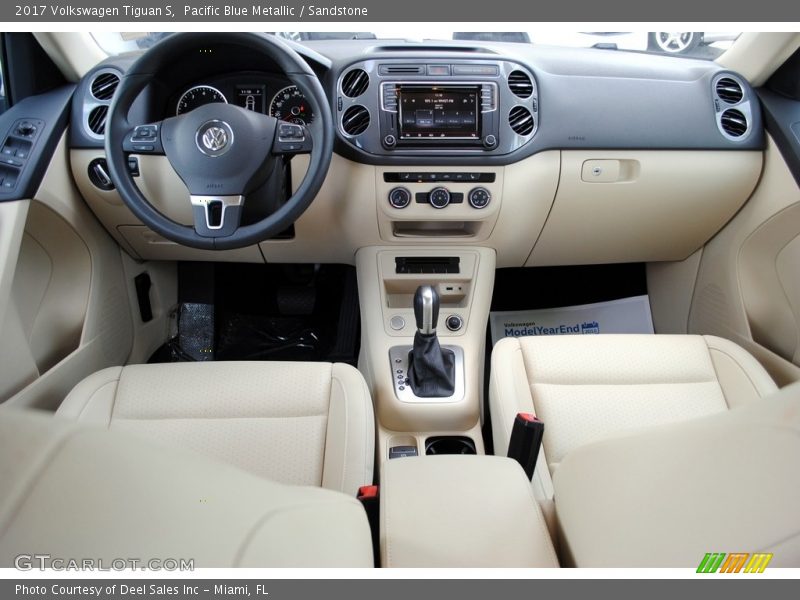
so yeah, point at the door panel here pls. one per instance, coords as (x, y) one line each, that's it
(746, 285)
(64, 305)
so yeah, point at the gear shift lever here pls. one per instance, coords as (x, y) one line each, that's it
(431, 370)
(426, 309)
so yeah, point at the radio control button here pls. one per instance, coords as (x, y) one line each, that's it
(439, 197)
(399, 197)
(389, 141)
(490, 141)
(479, 197)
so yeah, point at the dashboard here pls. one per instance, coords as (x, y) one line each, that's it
(540, 153)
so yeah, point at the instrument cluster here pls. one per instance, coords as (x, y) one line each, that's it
(275, 98)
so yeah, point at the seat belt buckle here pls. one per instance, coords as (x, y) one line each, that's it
(369, 496)
(526, 440)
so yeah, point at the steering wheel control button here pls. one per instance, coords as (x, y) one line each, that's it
(290, 132)
(145, 133)
(439, 197)
(214, 138)
(397, 323)
(144, 138)
(454, 322)
(291, 138)
(399, 197)
(479, 197)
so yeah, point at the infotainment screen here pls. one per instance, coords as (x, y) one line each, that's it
(439, 112)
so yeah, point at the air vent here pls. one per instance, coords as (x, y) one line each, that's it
(521, 120)
(401, 69)
(355, 83)
(520, 84)
(97, 119)
(104, 85)
(355, 120)
(733, 122)
(729, 90)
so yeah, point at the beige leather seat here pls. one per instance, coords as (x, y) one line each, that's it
(80, 492)
(590, 387)
(297, 423)
(728, 482)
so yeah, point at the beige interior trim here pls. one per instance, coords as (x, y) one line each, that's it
(107, 330)
(739, 293)
(635, 208)
(75, 53)
(351, 211)
(670, 286)
(461, 511)
(148, 337)
(756, 56)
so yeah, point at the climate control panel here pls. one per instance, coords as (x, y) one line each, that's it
(442, 204)
(440, 197)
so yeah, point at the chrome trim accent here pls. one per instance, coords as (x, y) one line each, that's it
(204, 201)
(428, 326)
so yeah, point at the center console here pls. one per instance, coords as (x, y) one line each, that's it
(440, 414)
(456, 511)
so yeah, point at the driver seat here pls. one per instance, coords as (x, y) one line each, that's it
(297, 423)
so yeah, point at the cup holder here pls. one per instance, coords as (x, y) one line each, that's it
(449, 444)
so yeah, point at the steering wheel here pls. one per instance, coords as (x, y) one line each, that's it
(221, 152)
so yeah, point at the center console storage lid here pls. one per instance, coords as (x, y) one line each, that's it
(461, 511)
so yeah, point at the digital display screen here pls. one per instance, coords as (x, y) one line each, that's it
(251, 97)
(438, 113)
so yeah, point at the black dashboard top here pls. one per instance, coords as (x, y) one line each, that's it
(533, 98)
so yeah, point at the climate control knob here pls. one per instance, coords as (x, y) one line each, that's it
(479, 197)
(439, 197)
(399, 197)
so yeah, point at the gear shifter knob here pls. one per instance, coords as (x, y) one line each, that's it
(426, 309)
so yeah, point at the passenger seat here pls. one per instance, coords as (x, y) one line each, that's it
(591, 387)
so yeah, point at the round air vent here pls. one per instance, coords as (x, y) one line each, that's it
(729, 90)
(355, 83)
(97, 119)
(104, 85)
(520, 84)
(733, 122)
(355, 120)
(521, 120)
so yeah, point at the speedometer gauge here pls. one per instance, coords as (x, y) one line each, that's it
(291, 105)
(198, 96)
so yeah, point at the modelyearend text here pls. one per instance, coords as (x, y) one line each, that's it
(170, 11)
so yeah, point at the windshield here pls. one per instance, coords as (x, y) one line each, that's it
(694, 44)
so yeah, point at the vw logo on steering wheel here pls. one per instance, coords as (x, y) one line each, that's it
(214, 138)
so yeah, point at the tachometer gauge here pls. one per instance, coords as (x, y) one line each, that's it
(291, 105)
(198, 96)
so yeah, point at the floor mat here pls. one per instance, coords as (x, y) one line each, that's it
(624, 315)
(266, 312)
